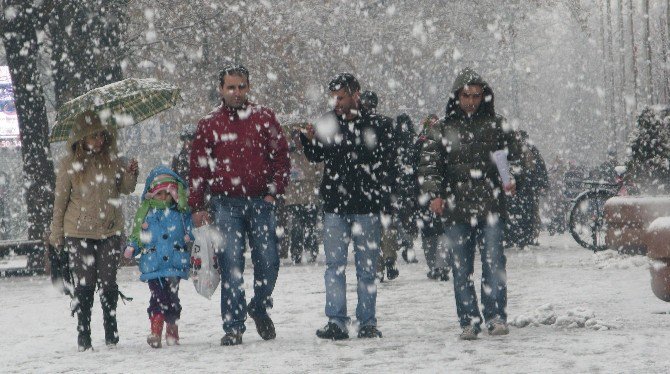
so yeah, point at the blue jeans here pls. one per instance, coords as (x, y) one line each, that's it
(239, 220)
(339, 230)
(462, 239)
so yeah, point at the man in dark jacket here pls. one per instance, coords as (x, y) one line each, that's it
(390, 239)
(437, 256)
(353, 144)
(181, 162)
(240, 157)
(409, 151)
(524, 224)
(464, 184)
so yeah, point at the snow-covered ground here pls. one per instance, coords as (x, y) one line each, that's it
(570, 310)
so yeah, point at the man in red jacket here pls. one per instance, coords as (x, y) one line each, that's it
(240, 162)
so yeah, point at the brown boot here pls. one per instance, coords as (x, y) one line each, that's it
(154, 339)
(171, 334)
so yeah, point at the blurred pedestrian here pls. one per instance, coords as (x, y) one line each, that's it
(300, 206)
(437, 255)
(4, 193)
(607, 170)
(524, 224)
(180, 162)
(557, 203)
(387, 264)
(406, 203)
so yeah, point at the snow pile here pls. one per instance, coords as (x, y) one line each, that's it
(575, 318)
(582, 317)
(612, 259)
(544, 315)
(659, 224)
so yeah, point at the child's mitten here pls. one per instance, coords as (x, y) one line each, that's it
(128, 253)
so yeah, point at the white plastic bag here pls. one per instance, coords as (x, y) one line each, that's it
(204, 267)
(500, 159)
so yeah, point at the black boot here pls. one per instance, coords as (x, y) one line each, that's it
(392, 271)
(442, 274)
(379, 274)
(332, 332)
(109, 299)
(84, 303)
(264, 325)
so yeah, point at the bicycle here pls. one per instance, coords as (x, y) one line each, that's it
(586, 220)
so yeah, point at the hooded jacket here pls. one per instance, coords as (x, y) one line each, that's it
(238, 153)
(160, 235)
(87, 205)
(456, 162)
(359, 164)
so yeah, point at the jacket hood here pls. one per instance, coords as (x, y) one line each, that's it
(161, 170)
(88, 123)
(468, 76)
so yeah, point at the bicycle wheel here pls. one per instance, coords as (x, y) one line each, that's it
(586, 222)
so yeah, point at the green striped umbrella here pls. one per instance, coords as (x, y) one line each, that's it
(122, 103)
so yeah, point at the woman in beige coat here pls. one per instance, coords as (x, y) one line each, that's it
(88, 221)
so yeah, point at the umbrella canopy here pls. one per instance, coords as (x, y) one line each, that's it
(121, 104)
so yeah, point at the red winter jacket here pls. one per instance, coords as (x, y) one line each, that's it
(238, 153)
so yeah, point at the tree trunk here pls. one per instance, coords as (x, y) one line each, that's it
(633, 47)
(626, 113)
(85, 46)
(515, 73)
(21, 46)
(609, 68)
(666, 52)
(648, 87)
(606, 117)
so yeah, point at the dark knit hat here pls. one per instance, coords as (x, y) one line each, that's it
(344, 80)
(369, 99)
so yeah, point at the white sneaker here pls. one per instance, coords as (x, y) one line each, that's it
(468, 333)
(498, 328)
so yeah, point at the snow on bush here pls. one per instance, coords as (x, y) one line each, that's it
(612, 259)
(574, 318)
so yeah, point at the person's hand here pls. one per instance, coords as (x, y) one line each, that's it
(510, 188)
(201, 218)
(133, 166)
(437, 206)
(309, 131)
(128, 253)
(269, 199)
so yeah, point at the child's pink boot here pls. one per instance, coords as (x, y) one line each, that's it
(171, 334)
(154, 339)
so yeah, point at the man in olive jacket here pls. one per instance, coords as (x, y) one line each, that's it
(465, 188)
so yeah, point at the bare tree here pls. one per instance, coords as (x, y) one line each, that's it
(608, 53)
(647, 86)
(85, 46)
(19, 25)
(631, 33)
(622, 66)
(666, 52)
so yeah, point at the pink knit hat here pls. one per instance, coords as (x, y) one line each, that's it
(163, 182)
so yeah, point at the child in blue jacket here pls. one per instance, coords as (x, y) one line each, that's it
(161, 236)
